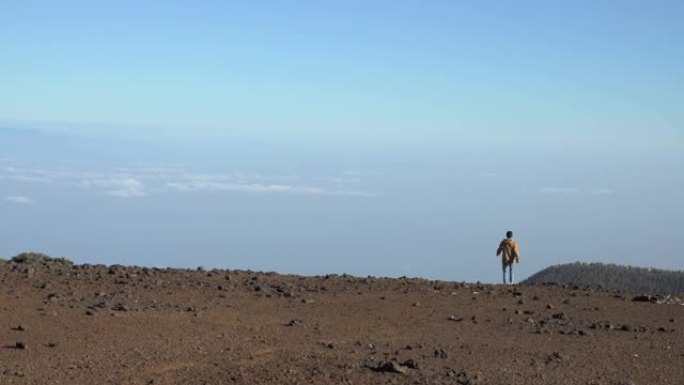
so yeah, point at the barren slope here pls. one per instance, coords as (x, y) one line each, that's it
(126, 325)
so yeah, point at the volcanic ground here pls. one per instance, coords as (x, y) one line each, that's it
(94, 324)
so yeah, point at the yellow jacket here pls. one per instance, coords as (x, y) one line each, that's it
(508, 249)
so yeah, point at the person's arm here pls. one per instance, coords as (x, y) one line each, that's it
(516, 250)
(498, 251)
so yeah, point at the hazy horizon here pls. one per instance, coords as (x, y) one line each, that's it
(368, 138)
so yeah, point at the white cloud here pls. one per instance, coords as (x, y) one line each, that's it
(142, 180)
(26, 178)
(557, 190)
(204, 186)
(152, 169)
(353, 193)
(601, 191)
(575, 191)
(264, 184)
(39, 175)
(337, 180)
(363, 173)
(18, 199)
(23, 175)
(124, 187)
(198, 186)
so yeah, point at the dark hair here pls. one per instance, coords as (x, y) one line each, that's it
(509, 234)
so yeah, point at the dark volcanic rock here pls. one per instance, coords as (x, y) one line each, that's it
(389, 367)
(645, 298)
(440, 353)
(294, 322)
(411, 363)
(626, 328)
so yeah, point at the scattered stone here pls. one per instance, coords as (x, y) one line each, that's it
(462, 377)
(327, 344)
(556, 357)
(19, 328)
(455, 319)
(294, 322)
(440, 353)
(388, 367)
(645, 298)
(21, 345)
(52, 344)
(121, 307)
(102, 303)
(52, 297)
(560, 316)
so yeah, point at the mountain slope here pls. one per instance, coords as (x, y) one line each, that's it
(611, 276)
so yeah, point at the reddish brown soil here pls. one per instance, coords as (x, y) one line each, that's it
(101, 325)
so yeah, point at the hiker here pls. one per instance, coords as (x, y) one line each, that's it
(508, 249)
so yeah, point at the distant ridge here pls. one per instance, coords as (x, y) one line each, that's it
(612, 277)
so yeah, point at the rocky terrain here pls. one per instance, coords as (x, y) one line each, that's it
(71, 324)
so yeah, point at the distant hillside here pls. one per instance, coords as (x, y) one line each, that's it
(613, 277)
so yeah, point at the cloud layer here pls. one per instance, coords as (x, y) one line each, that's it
(18, 199)
(574, 191)
(122, 187)
(143, 181)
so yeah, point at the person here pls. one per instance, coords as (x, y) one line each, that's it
(509, 252)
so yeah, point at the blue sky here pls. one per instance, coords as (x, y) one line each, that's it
(364, 137)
